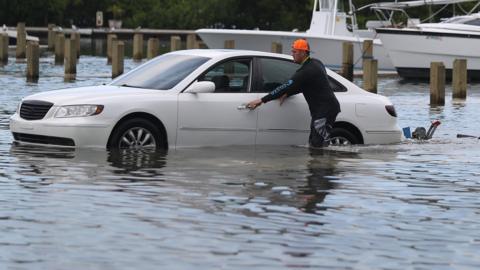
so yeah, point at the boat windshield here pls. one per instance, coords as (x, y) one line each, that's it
(161, 73)
(463, 20)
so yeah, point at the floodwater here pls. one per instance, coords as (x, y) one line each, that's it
(414, 205)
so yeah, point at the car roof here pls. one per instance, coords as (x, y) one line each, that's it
(223, 53)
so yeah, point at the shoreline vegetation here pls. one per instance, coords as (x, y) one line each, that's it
(194, 14)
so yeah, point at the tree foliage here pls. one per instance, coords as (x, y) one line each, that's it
(180, 14)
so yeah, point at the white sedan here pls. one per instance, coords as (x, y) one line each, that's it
(197, 98)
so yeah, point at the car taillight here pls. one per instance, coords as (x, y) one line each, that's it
(391, 110)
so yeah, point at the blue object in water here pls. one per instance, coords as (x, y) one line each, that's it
(406, 132)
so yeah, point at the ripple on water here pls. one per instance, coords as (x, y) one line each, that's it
(413, 205)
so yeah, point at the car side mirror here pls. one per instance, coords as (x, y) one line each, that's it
(201, 87)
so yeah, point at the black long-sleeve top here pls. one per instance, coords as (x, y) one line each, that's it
(310, 79)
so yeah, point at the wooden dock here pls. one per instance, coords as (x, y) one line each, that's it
(122, 33)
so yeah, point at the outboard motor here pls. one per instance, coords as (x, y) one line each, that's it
(420, 133)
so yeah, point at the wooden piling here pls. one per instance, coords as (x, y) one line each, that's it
(367, 49)
(277, 47)
(76, 40)
(77, 43)
(153, 47)
(347, 60)
(191, 40)
(175, 43)
(137, 46)
(33, 55)
(459, 79)
(51, 37)
(200, 45)
(437, 84)
(367, 52)
(70, 59)
(3, 48)
(229, 44)
(370, 73)
(118, 53)
(21, 41)
(110, 39)
(59, 48)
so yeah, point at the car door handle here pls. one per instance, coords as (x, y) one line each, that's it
(243, 107)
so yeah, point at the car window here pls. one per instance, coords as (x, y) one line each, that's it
(232, 76)
(336, 86)
(276, 72)
(162, 73)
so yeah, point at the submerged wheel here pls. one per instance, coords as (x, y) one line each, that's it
(136, 133)
(340, 136)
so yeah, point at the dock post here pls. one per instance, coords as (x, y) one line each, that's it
(51, 37)
(77, 43)
(277, 47)
(118, 53)
(459, 79)
(347, 60)
(137, 46)
(229, 44)
(175, 43)
(70, 59)
(75, 38)
(200, 45)
(110, 39)
(33, 55)
(370, 73)
(21, 41)
(437, 84)
(367, 49)
(153, 47)
(59, 48)
(191, 39)
(3, 49)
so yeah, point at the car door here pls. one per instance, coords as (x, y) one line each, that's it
(214, 119)
(285, 124)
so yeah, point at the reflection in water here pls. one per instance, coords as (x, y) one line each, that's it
(322, 168)
(127, 160)
(41, 166)
(132, 160)
(412, 205)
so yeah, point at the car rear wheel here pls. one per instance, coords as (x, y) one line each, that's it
(136, 133)
(340, 136)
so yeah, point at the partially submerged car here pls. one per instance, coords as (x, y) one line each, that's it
(195, 98)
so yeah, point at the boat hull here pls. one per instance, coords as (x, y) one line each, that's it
(327, 48)
(413, 50)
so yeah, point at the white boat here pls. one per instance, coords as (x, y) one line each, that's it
(328, 30)
(412, 49)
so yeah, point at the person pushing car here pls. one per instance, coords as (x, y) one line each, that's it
(310, 79)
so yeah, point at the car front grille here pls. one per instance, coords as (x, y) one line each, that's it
(40, 139)
(34, 109)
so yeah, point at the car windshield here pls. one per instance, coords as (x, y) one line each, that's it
(162, 73)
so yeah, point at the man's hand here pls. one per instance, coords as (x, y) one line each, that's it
(282, 99)
(252, 105)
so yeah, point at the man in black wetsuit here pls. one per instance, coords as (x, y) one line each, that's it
(310, 79)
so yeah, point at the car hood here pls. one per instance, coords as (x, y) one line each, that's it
(91, 94)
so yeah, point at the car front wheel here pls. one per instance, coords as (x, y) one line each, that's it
(136, 133)
(340, 136)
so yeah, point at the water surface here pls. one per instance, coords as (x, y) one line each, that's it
(412, 205)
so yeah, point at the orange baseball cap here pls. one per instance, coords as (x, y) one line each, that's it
(301, 44)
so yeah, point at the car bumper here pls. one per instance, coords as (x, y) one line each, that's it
(382, 136)
(67, 132)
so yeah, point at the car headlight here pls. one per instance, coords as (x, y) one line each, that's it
(78, 111)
